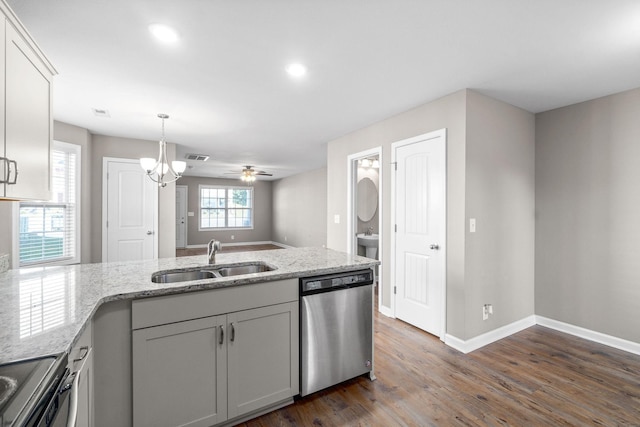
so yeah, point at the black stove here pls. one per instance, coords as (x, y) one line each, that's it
(26, 387)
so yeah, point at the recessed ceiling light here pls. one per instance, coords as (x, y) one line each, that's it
(164, 33)
(296, 70)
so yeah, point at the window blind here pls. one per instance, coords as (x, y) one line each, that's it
(47, 230)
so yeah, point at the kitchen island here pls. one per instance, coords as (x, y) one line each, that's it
(44, 309)
(129, 336)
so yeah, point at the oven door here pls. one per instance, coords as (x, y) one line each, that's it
(59, 406)
(70, 408)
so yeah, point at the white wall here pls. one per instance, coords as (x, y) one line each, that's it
(300, 209)
(588, 210)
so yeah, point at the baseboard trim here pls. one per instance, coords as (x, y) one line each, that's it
(386, 311)
(467, 346)
(611, 341)
(282, 245)
(265, 242)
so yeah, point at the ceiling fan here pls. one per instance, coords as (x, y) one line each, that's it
(248, 174)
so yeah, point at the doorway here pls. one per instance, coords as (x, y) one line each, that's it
(181, 216)
(129, 212)
(419, 243)
(364, 225)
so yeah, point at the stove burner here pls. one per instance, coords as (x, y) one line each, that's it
(8, 386)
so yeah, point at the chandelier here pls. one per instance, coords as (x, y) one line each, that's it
(159, 170)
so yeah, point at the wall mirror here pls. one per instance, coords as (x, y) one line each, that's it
(367, 199)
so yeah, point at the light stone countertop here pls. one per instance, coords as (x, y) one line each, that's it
(43, 310)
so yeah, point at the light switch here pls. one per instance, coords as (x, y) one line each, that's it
(336, 219)
(472, 225)
(190, 214)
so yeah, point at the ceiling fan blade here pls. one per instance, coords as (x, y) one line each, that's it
(263, 173)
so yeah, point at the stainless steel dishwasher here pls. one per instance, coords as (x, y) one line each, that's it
(336, 328)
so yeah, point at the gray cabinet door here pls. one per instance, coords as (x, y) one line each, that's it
(180, 374)
(27, 119)
(262, 357)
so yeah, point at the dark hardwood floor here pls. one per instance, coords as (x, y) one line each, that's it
(538, 377)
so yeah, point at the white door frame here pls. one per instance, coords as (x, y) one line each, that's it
(186, 208)
(352, 222)
(105, 169)
(430, 135)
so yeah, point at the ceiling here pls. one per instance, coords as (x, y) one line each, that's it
(225, 87)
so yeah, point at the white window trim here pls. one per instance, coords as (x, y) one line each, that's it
(15, 258)
(233, 187)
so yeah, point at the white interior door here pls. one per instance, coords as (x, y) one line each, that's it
(131, 210)
(420, 216)
(181, 216)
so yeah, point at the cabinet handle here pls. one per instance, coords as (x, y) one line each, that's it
(15, 171)
(5, 170)
(84, 350)
(233, 332)
(221, 335)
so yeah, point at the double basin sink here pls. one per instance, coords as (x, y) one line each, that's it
(208, 272)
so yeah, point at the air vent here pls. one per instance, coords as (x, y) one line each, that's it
(101, 112)
(198, 157)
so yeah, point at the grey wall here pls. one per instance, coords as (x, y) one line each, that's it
(490, 176)
(262, 214)
(500, 195)
(588, 210)
(127, 148)
(447, 112)
(300, 209)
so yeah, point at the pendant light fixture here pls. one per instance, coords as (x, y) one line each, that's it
(159, 170)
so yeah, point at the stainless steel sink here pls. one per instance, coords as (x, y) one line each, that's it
(208, 272)
(181, 276)
(242, 269)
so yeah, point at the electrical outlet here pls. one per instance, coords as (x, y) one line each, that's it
(487, 310)
(233, 237)
(285, 238)
(472, 225)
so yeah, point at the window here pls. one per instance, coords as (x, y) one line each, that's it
(48, 231)
(225, 207)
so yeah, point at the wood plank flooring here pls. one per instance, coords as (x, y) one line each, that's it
(538, 377)
(226, 249)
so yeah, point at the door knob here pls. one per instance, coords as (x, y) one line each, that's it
(149, 233)
(434, 247)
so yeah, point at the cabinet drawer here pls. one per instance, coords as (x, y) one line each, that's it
(162, 310)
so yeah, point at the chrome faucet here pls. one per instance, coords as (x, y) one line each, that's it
(369, 231)
(213, 247)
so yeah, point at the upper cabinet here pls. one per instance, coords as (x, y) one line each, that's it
(26, 120)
